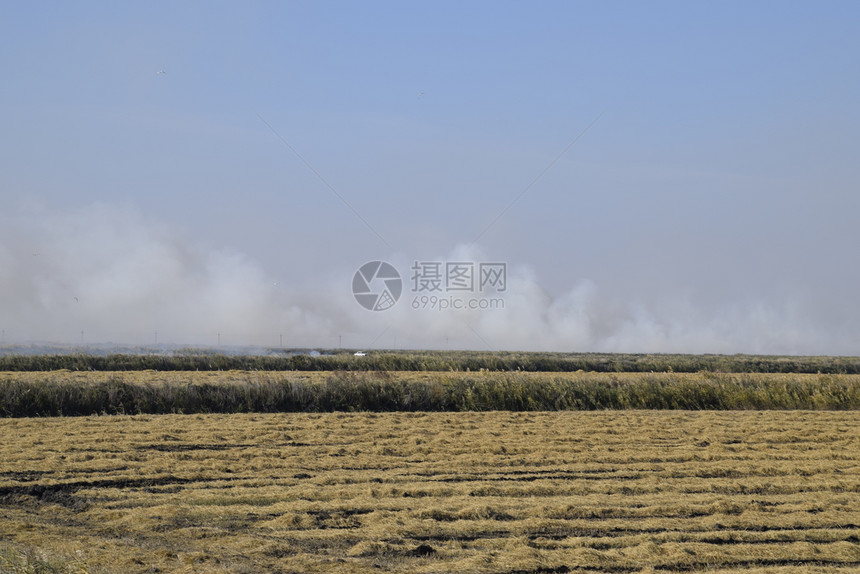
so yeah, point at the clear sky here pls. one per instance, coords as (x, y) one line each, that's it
(196, 168)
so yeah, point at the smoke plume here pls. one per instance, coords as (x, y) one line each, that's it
(115, 276)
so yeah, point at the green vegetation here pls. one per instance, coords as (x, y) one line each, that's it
(28, 560)
(436, 361)
(73, 394)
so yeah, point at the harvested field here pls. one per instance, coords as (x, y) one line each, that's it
(495, 492)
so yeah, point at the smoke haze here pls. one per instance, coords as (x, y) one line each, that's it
(662, 176)
(119, 277)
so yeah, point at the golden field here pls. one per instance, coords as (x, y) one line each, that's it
(491, 492)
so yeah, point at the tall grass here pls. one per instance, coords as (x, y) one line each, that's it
(58, 395)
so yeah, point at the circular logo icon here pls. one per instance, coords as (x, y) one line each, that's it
(377, 286)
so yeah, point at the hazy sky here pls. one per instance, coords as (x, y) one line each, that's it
(709, 201)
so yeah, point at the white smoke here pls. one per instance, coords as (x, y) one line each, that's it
(119, 277)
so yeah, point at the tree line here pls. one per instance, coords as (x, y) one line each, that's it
(436, 361)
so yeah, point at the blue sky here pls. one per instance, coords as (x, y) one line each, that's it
(708, 203)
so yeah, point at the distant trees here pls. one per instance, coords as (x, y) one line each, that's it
(436, 361)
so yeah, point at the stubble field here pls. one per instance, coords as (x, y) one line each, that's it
(492, 492)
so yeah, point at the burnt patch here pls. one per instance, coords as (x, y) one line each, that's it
(758, 563)
(185, 447)
(423, 550)
(25, 475)
(489, 534)
(61, 491)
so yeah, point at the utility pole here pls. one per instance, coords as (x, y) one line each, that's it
(281, 339)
